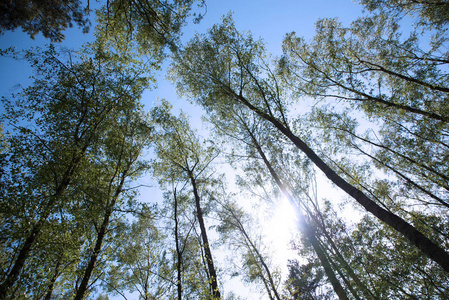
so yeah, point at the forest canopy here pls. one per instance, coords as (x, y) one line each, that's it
(360, 110)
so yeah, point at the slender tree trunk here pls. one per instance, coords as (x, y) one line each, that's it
(208, 254)
(366, 292)
(24, 252)
(53, 279)
(310, 235)
(432, 250)
(82, 289)
(339, 271)
(267, 287)
(270, 284)
(345, 279)
(178, 250)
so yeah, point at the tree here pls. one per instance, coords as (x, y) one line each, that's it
(70, 106)
(49, 17)
(123, 146)
(141, 260)
(250, 131)
(192, 279)
(224, 69)
(182, 158)
(398, 85)
(234, 229)
(304, 227)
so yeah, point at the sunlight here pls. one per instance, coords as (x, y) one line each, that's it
(280, 229)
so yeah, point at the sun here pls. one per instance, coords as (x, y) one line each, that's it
(280, 229)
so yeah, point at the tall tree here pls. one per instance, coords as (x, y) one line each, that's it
(182, 157)
(249, 130)
(123, 147)
(224, 68)
(303, 226)
(237, 229)
(141, 262)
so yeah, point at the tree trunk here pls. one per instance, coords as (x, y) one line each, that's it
(178, 250)
(366, 292)
(53, 279)
(82, 289)
(432, 250)
(208, 254)
(310, 235)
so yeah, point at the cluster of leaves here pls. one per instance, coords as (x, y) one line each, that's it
(49, 17)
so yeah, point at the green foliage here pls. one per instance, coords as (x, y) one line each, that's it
(180, 152)
(64, 149)
(366, 70)
(433, 14)
(370, 68)
(373, 105)
(241, 233)
(147, 26)
(142, 264)
(49, 17)
(386, 257)
(304, 282)
(183, 166)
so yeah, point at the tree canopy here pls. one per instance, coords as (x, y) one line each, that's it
(101, 196)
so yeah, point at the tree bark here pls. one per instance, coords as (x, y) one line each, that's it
(82, 289)
(366, 292)
(53, 279)
(208, 254)
(178, 250)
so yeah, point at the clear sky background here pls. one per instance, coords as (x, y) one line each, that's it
(266, 19)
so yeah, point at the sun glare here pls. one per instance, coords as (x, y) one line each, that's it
(280, 229)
